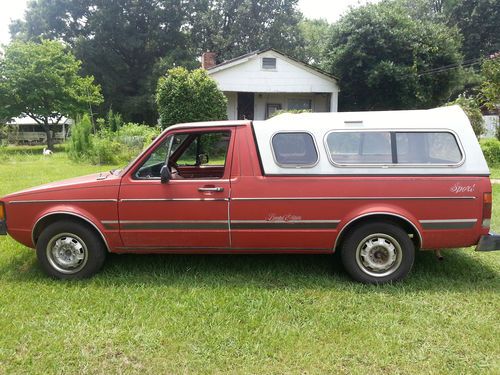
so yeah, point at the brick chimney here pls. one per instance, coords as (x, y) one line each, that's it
(208, 60)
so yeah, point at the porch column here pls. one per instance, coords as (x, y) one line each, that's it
(334, 98)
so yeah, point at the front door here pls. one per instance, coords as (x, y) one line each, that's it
(246, 102)
(191, 210)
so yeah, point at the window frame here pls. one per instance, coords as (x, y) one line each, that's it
(295, 166)
(393, 133)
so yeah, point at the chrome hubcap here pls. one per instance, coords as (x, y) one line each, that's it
(67, 253)
(378, 255)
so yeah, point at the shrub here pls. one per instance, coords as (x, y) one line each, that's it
(184, 96)
(281, 111)
(114, 121)
(108, 147)
(80, 142)
(491, 151)
(471, 109)
(105, 151)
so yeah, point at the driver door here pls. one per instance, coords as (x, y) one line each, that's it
(188, 212)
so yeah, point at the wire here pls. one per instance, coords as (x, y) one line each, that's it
(444, 68)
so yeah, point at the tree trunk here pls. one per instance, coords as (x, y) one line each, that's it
(50, 141)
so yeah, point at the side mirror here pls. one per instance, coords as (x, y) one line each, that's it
(165, 174)
(202, 159)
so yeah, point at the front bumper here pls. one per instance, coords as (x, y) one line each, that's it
(489, 242)
(3, 228)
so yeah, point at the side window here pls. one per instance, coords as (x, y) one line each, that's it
(192, 155)
(151, 168)
(294, 149)
(209, 149)
(396, 148)
(427, 148)
(360, 147)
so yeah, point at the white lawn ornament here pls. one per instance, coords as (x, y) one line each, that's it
(47, 152)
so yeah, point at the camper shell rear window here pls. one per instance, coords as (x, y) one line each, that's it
(396, 148)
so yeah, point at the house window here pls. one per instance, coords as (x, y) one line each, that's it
(300, 104)
(269, 63)
(294, 150)
(271, 109)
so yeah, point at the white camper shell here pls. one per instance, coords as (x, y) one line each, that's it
(419, 142)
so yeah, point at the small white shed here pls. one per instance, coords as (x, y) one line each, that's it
(263, 82)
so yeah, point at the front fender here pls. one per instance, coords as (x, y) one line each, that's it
(78, 212)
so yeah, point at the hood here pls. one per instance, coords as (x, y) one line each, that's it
(88, 181)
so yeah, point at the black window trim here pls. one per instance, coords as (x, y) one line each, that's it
(295, 166)
(393, 133)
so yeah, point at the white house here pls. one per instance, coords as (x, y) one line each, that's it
(262, 82)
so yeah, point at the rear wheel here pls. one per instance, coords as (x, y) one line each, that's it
(69, 250)
(378, 253)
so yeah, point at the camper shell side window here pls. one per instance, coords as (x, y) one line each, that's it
(295, 149)
(394, 148)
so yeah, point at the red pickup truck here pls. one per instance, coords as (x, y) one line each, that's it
(376, 186)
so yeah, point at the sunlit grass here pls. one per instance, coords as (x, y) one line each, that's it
(241, 314)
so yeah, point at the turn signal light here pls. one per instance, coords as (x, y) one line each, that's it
(2, 211)
(487, 198)
(487, 201)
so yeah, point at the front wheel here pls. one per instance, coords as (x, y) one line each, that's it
(378, 253)
(69, 250)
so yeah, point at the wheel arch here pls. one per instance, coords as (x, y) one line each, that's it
(53, 217)
(390, 217)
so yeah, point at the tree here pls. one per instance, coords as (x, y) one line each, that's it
(315, 34)
(185, 96)
(387, 60)
(235, 27)
(471, 108)
(477, 20)
(120, 43)
(490, 88)
(42, 81)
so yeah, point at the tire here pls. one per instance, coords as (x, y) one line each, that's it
(70, 251)
(378, 253)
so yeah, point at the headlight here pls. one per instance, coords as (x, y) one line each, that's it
(2, 211)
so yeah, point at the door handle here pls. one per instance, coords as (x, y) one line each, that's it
(216, 189)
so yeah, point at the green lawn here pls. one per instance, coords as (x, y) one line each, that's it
(495, 172)
(241, 314)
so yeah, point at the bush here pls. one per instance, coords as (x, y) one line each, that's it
(471, 109)
(281, 111)
(114, 121)
(107, 146)
(184, 96)
(80, 142)
(105, 151)
(491, 151)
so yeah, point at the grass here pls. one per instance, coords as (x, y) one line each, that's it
(241, 314)
(495, 172)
